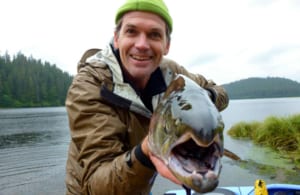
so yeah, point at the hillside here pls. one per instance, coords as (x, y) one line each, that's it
(27, 82)
(270, 87)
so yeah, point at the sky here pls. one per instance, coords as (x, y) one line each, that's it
(223, 40)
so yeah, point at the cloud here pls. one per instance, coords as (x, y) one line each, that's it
(223, 40)
(204, 59)
(250, 38)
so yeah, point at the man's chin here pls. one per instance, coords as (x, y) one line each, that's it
(141, 72)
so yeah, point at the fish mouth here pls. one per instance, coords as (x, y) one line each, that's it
(198, 165)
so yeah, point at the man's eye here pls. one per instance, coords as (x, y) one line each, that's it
(155, 35)
(130, 31)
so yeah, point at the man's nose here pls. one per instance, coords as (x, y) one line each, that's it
(142, 42)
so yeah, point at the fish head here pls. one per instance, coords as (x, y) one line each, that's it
(186, 133)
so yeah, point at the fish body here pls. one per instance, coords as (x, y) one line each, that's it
(186, 133)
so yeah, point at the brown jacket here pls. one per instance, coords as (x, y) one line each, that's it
(107, 119)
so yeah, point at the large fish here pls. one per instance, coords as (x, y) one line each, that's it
(186, 133)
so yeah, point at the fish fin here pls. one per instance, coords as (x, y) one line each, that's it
(231, 155)
(177, 84)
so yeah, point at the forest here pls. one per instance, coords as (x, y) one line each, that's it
(28, 82)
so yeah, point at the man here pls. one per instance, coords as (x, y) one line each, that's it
(111, 100)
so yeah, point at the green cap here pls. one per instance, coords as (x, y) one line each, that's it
(155, 6)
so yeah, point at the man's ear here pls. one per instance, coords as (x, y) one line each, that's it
(116, 37)
(167, 48)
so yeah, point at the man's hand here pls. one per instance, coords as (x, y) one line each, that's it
(160, 166)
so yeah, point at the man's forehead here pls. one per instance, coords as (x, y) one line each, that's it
(135, 18)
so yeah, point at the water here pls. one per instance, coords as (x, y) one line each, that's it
(33, 151)
(255, 110)
(34, 142)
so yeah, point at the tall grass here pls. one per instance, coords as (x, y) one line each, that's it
(279, 133)
(243, 129)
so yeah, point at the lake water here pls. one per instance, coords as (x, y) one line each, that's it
(34, 142)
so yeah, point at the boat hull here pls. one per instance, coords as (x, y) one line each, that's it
(273, 189)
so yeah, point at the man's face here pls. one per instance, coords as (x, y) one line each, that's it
(142, 42)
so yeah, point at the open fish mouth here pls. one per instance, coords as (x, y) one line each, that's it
(199, 166)
(195, 159)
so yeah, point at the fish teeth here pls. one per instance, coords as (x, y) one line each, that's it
(196, 176)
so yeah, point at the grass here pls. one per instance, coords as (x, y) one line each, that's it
(279, 133)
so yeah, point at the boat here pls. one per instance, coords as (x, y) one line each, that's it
(259, 188)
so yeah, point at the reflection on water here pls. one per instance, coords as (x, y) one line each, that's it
(28, 120)
(20, 139)
(27, 139)
(33, 148)
(280, 174)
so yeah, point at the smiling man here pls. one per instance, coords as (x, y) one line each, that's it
(142, 42)
(111, 101)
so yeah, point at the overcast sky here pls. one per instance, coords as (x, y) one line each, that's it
(225, 40)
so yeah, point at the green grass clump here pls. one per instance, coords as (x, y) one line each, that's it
(243, 130)
(279, 133)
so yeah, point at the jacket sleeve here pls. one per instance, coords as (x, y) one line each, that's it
(99, 136)
(218, 94)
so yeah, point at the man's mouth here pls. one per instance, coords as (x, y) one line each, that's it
(141, 58)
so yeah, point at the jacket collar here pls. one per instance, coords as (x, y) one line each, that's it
(155, 85)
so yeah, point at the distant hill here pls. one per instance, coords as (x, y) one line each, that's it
(270, 87)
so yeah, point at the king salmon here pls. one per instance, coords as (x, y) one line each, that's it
(186, 133)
